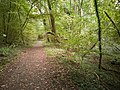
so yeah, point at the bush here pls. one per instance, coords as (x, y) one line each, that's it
(7, 54)
(5, 51)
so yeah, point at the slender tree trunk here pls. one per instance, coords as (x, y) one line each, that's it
(4, 28)
(70, 6)
(27, 16)
(9, 16)
(4, 23)
(99, 33)
(51, 17)
(115, 26)
(26, 21)
(8, 21)
(80, 7)
(75, 8)
(44, 23)
(81, 4)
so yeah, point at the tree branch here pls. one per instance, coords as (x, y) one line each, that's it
(115, 26)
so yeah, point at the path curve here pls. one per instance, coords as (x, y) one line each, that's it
(34, 71)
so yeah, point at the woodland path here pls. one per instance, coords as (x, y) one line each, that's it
(33, 70)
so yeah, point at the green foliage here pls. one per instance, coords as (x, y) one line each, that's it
(87, 77)
(52, 50)
(5, 51)
(78, 33)
(22, 21)
(7, 54)
(30, 34)
(13, 20)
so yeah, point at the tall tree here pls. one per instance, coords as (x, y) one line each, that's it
(99, 33)
(52, 19)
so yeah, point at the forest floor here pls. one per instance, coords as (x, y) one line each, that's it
(33, 70)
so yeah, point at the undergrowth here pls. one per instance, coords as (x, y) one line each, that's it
(88, 77)
(52, 49)
(85, 73)
(7, 54)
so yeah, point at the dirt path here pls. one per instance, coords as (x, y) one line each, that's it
(34, 71)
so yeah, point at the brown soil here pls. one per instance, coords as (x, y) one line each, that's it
(33, 70)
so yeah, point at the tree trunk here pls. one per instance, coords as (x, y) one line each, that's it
(99, 33)
(80, 9)
(53, 29)
(44, 23)
(75, 7)
(115, 26)
(70, 6)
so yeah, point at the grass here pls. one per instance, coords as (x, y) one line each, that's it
(52, 50)
(85, 75)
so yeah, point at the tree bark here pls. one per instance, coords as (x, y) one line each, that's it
(75, 7)
(52, 19)
(81, 4)
(99, 33)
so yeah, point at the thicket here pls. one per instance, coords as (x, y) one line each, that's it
(85, 29)
(16, 26)
(81, 26)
